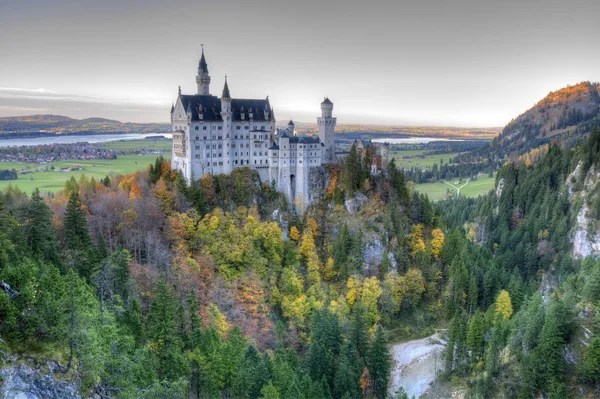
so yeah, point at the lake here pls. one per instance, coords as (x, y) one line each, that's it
(92, 138)
(412, 140)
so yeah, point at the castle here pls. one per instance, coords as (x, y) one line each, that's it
(213, 135)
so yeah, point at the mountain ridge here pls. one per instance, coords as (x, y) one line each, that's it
(39, 124)
(566, 114)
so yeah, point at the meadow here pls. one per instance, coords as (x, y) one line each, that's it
(413, 158)
(440, 190)
(48, 180)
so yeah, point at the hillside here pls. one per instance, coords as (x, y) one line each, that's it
(566, 115)
(35, 125)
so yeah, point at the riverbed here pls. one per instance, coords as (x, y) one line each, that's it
(416, 364)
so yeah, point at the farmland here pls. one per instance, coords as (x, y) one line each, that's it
(47, 179)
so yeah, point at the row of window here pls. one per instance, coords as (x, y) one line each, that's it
(256, 137)
(217, 127)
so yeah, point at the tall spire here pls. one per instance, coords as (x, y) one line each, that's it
(202, 66)
(203, 78)
(226, 94)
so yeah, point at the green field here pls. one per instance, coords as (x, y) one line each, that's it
(438, 191)
(409, 159)
(54, 180)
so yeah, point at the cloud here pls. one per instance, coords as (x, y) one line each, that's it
(25, 109)
(24, 90)
(49, 95)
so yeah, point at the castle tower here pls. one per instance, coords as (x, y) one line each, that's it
(326, 129)
(203, 78)
(226, 116)
(385, 155)
(285, 181)
(290, 127)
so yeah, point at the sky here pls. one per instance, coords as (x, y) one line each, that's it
(472, 63)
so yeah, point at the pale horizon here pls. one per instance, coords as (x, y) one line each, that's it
(440, 63)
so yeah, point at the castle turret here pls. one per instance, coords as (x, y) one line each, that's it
(326, 130)
(226, 135)
(203, 78)
(290, 127)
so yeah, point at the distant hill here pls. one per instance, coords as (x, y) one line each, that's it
(566, 115)
(36, 125)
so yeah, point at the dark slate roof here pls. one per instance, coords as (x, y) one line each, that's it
(283, 133)
(291, 123)
(326, 101)
(202, 65)
(226, 90)
(304, 140)
(274, 147)
(210, 106)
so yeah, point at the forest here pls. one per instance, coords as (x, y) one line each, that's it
(144, 286)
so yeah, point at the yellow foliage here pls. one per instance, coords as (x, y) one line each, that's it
(329, 272)
(354, 290)
(332, 185)
(294, 233)
(371, 291)
(504, 305)
(415, 239)
(437, 242)
(217, 319)
(313, 227)
(295, 308)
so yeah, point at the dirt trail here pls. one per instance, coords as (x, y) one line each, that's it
(416, 364)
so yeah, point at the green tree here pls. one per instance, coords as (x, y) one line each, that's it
(38, 232)
(163, 335)
(379, 364)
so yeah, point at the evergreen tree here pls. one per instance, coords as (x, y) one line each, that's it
(352, 171)
(359, 331)
(76, 237)
(37, 229)
(162, 333)
(379, 364)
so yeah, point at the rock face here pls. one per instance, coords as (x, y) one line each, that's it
(24, 382)
(353, 205)
(586, 241)
(373, 252)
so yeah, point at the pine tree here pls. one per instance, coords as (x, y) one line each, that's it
(77, 239)
(551, 345)
(590, 368)
(37, 228)
(345, 382)
(162, 332)
(6, 246)
(359, 331)
(475, 336)
(352, 171)
(379, 364)
(269, 391)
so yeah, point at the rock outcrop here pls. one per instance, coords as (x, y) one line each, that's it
(24, 382)
(354, 204)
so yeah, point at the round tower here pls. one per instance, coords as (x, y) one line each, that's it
(327, 129)
(291, 127)
(203, 78)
